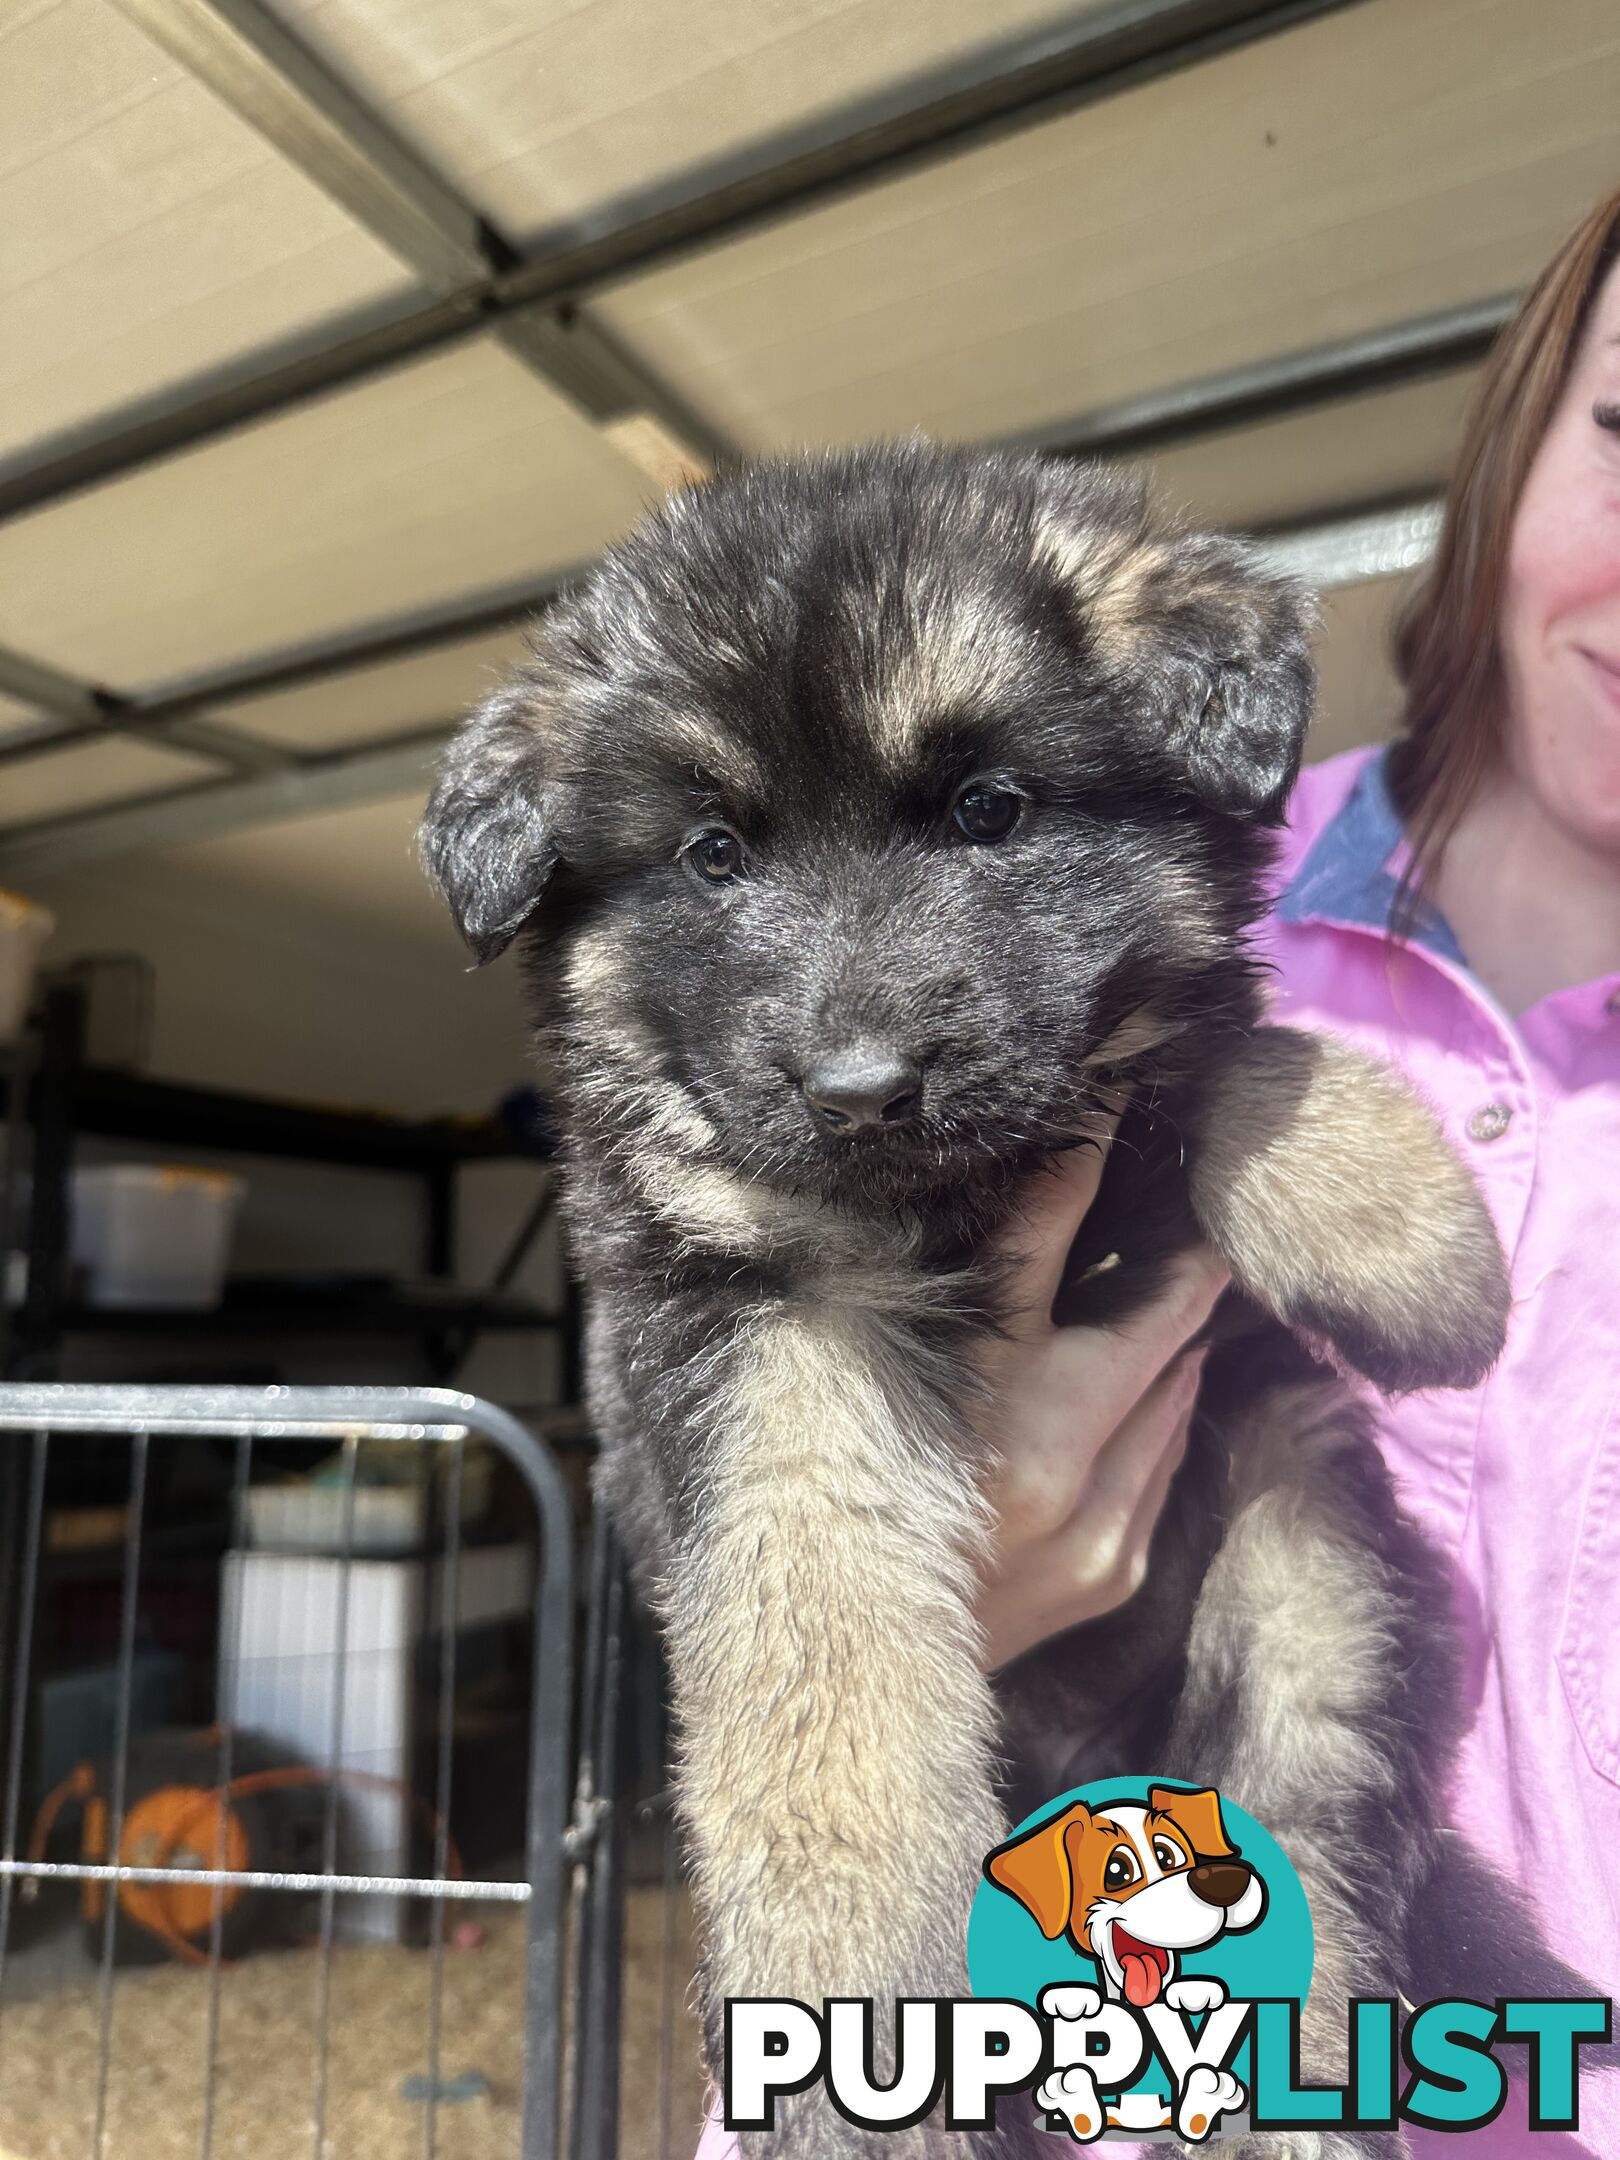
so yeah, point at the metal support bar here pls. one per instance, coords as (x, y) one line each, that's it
(37, 1328)
(395, 637)
(1104, 51)
(291, 1881)
(33, 682)
(599, 1796)
(86, 712)
(1265, 390)
(208, 808)
(344, 1415)
(257, 67)
(166, 713)
(261, 71)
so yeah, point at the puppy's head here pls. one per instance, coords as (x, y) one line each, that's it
(1133, 1886)
(860, 809)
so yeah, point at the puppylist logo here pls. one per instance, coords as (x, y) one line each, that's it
(1139, 1953)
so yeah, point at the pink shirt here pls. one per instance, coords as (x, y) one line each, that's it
(1518, 1482)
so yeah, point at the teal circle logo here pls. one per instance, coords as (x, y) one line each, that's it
(1143, 1891)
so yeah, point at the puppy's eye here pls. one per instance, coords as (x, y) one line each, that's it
(716, 857)
(1121, 1870)
(1168, 1856)
(986, 813)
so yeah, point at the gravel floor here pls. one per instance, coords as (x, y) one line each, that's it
(378, 2025)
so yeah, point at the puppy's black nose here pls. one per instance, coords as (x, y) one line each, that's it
(1218, 1882)
(870, 1083)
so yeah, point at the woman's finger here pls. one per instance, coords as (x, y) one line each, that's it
(1051, 1209)
(1090, 1559)
(1131, 1566)
(1133, 1458)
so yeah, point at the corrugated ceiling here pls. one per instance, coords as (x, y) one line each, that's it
(1380, 162)
(145, 231)
(1388, 159)
(545, 112)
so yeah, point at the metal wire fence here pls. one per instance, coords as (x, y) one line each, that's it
(193, 1846)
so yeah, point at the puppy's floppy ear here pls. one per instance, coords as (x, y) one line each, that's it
(1238, 637)
(1198, 1814)
(1209, 646)
(486, 836)
(1034, 1868)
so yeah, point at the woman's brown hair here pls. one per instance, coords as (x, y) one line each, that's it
(1446, 650)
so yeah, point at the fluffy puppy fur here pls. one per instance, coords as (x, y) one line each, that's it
(866, 819)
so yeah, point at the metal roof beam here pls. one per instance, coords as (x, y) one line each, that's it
(1338, 552)
(374, 644)
(1266, 390)
(35, 682)
(81, 712)
(1104, 51)
(261, 71)
(209, 808)
(257, 67)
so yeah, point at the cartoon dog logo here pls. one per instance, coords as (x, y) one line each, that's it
(1135, 1887)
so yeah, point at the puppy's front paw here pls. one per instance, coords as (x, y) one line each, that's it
(1327, 1185)
(1207, 2095)
(1072, 2093)
(1195, 1996)
(1070, 2003)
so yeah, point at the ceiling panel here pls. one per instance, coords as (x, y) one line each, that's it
(1393, 446)
(544, 109)
(459, 473)
(146, 234)
(99, 772)
(372, 702)
(1380, 163)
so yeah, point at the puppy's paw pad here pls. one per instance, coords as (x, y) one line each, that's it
(1207, 2095)
(1072, 2093)
(1195, 1996)
(1070, 2003)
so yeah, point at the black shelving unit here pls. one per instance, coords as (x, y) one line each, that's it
(50, 1092)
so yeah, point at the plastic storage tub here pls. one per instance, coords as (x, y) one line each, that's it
(152, 1234)
(23, 930)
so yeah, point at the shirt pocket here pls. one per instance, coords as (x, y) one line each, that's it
(1586, 1644)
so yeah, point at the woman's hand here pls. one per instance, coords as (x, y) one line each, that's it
(1088, 1425)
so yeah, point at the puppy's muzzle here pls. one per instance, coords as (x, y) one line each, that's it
(867, 1084)
(1219, 1882)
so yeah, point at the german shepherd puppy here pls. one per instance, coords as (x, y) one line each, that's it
(867, 821)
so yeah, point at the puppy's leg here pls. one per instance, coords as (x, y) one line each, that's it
(1320, 1696)
(834, 1721)
(1326, 1184)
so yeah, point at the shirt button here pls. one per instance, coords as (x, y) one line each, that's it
(1490, 1122)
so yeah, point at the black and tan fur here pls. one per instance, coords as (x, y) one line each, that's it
(816, 657)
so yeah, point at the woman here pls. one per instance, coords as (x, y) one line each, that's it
(1452, 904)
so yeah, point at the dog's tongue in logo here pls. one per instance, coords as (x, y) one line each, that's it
(1143, 1966)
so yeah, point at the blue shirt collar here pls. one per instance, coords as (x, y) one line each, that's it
(1346, 875)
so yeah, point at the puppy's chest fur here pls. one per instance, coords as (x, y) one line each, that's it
(816, 1352)
(705, 1285)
